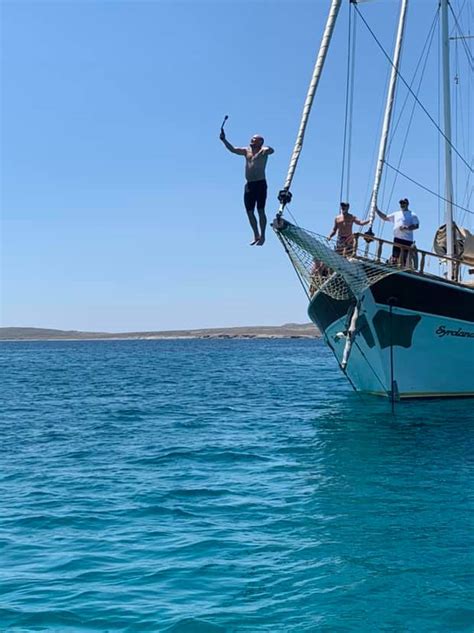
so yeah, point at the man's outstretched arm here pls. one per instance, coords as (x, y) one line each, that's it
(384, 216)
(230, 147)
(333, 232)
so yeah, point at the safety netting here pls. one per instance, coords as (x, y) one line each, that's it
(343, 273)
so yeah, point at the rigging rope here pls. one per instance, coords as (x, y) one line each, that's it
(415, 182)
(388, 112)
(469, 56)
(351, 108)
(425, 52)
(284, 196)
(348, 108)
(412, 93)
(468, 189)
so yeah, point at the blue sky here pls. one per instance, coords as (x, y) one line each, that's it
(121, 210)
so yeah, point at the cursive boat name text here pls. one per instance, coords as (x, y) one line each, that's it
(443, 331)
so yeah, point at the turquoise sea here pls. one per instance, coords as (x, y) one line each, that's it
(208, 486)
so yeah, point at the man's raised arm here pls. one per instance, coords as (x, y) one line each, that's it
(230, 147)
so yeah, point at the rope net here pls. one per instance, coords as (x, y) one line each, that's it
(341, 275)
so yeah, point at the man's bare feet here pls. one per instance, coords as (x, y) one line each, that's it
(256, 240)
(261, 241)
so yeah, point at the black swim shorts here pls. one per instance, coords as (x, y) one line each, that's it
(404, 252)
(255, 193)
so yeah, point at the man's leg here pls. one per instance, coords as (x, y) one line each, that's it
(349, 246)
(262, 218)
(249, 201)
(395, 252)
(254, 225)
(401, 251)
(405, 251)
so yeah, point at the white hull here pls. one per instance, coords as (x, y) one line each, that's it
(432, 357)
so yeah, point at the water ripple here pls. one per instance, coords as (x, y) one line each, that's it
(226, 486)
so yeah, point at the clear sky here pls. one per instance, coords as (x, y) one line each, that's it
(121, 209)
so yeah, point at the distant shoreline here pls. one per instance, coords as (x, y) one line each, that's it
(289, 330)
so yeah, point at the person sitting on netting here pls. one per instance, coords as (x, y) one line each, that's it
(404, 223)
(319, 272)
(343, 224)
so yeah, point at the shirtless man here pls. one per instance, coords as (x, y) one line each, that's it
(255, 192)
(343, 227)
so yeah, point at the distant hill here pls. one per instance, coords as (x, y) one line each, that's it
(289, 330)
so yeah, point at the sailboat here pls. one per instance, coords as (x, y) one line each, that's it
(401, 328)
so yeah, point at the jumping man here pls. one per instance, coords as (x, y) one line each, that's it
(255, 192)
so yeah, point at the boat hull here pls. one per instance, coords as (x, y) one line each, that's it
(413, 335)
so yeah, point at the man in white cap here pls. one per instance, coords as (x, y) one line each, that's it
(255, 192)
(404, 223)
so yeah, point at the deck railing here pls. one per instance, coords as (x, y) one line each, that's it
(409, 257)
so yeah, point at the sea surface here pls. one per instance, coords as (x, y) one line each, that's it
(211, 486)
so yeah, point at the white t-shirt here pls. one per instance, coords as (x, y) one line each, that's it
(403, 218)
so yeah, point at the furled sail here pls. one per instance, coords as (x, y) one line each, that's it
(463, 244)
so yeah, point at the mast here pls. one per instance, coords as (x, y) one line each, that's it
(285, 195)
(388, 111)
(448, 157)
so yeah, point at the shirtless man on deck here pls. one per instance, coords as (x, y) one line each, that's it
(255, 192)
(343, 224)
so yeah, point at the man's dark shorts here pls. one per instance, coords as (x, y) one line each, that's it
(255, 193)
(397, 251)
